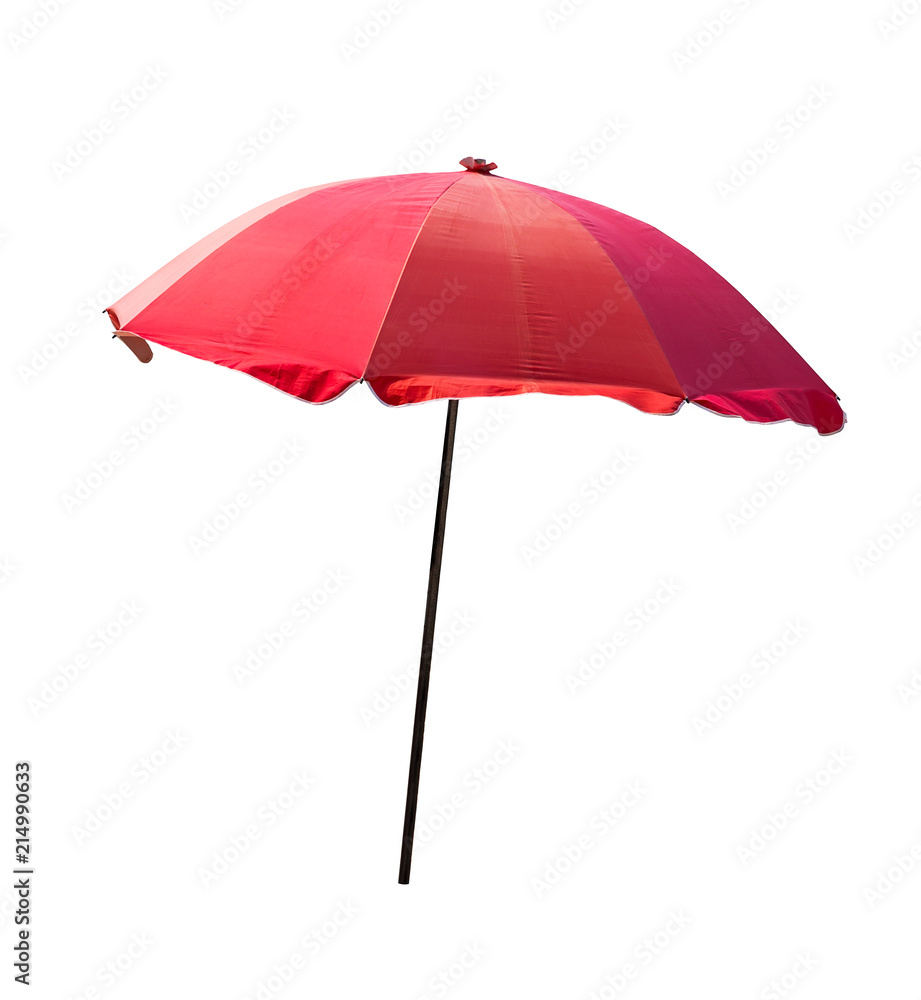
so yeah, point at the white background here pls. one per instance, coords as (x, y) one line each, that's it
(806, 235)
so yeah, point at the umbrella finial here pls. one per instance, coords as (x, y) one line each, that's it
(476, 165)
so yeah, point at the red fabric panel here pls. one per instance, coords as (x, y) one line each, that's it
(725, 353)
(503, 293)
(296, 298)
(130, 304)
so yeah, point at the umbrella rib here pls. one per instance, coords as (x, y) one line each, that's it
(635, 297)
(522, 314)
(396, 284)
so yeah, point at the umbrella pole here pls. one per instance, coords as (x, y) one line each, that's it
(428, 640)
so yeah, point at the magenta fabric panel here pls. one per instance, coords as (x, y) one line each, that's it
(726, 354)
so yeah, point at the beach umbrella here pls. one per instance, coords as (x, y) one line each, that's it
(465, 283)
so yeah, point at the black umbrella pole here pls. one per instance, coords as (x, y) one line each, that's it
(428, 642)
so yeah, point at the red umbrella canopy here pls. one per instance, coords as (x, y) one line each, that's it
(428, 286)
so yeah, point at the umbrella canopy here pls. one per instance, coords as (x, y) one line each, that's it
(446, 285)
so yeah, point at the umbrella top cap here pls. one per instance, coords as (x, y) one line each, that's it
(477, 166)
